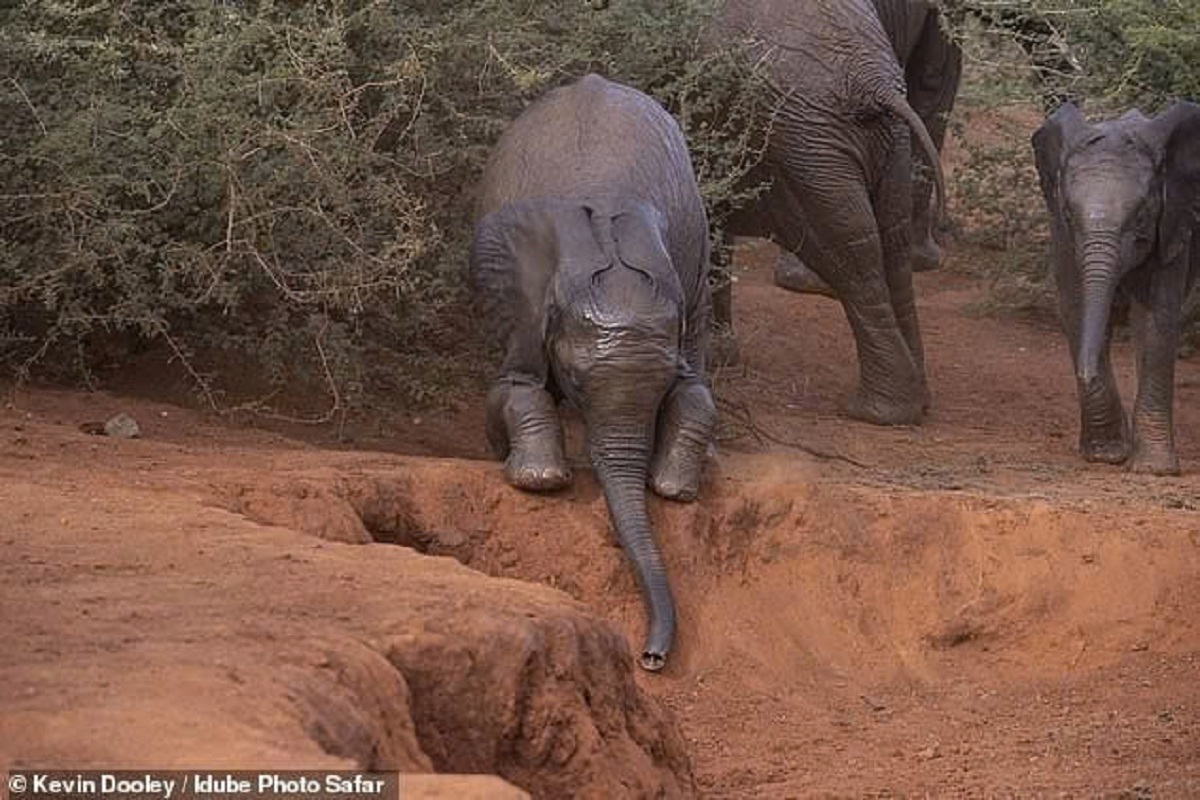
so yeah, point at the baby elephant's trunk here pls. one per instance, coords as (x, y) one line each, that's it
(624, 480)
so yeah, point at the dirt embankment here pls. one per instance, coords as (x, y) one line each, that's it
(150, 625)
(963, 608)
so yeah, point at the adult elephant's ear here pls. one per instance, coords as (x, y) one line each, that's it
(1050, 144)
(1177, 132)
(509, 269)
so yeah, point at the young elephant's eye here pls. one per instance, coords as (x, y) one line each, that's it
(1143, 233)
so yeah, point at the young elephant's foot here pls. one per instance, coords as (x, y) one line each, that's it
(1154, 462)
(1107, 444)
(675, 480)
(880, 410)
(524, 430)
(1106, 451)
(1154, 450)
(535, 472)
(686, 427)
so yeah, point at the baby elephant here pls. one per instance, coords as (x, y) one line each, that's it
(590, 261)
(1124, 201)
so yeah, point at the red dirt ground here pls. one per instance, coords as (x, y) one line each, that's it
(960, 609)
(964, 608)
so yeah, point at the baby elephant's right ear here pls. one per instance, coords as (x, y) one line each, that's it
(1052, 141)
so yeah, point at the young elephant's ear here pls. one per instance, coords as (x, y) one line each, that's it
(1050, 144)
(509, 270)
(1177, 132)
(638, 233)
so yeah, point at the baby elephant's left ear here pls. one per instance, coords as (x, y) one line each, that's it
(1178, 131)
(638, 231)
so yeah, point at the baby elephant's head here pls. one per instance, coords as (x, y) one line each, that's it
(614, 327)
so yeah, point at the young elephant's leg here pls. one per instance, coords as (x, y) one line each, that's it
(1157, 332)
(1103, 427)
(524, 429)
(686, 424)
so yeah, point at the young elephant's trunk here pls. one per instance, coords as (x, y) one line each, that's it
(622, 471)
(1100, 275)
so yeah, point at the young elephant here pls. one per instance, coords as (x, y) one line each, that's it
(1124, 201)
(590, 259)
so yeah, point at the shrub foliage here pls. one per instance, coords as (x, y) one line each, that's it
(1023, 55)
(1111, 54)
(288, 183)
(283, 187)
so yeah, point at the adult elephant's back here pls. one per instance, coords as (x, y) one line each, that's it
(837, 50)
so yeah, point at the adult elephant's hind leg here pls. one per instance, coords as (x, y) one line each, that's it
(932, 75)
(792, 274)
(838, 237)
(898, 272)
(524, 429)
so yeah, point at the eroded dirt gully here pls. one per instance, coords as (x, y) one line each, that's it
(963, 608)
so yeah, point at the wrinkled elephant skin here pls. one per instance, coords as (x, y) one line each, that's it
(840, 155)
(932, 63)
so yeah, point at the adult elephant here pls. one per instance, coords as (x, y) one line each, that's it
(932, 62)
(840, 156)
(1124, 203)
(590, 260)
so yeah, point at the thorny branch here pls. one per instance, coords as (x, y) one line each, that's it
(740, 413)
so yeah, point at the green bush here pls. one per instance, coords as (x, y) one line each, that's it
(1110, 54)
(283, 189)
(1132, 52)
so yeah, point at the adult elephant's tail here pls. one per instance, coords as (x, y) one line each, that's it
(900, 107)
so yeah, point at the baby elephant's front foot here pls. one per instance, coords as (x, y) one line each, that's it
(1105, 451)
(526, 471)
(686, 428)
(1107, 444)
(674, 483)
(879, 409)
(524, 429)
